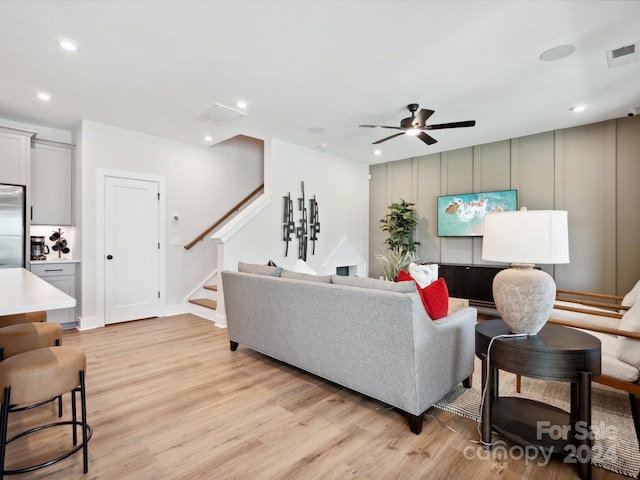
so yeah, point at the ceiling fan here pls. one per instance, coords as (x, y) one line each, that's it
(415, 125)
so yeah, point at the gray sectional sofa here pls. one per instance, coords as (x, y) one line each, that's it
(369, 335)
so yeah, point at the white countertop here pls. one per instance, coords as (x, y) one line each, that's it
(21, 291)
(53, 260)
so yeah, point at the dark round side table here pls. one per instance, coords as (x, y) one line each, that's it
(555, 353)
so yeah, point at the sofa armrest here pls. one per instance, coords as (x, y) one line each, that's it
(595, 328)
(591, 299)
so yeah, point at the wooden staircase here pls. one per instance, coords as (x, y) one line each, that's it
(207, 302)
(203, 301)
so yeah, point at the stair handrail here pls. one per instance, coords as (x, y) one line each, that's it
(231, 211)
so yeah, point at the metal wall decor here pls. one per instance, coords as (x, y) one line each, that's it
(302, 230)
(288, 224)
(314, 223)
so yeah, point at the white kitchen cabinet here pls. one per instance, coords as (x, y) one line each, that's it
(62, 275)
(51, 177)
(15, 149)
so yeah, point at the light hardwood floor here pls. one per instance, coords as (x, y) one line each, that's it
(168, 400)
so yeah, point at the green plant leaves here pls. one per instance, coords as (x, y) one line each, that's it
(400, 223)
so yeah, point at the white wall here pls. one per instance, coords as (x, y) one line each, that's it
(341, 188)
(201, 185)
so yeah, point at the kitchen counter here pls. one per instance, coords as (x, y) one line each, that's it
(22, 291)
(53, 260)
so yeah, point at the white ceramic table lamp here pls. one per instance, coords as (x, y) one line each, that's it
(524, 296)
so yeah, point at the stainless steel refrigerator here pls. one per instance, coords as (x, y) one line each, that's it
(12, 226)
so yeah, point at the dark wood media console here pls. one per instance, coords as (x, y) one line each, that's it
(473, 282)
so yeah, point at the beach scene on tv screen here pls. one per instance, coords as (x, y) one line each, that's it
(463, 215)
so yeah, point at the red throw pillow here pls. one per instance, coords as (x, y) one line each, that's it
(403, 276)
(435, 296)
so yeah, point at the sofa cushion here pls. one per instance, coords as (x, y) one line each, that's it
(259, 269)
(435, 296)
(630, 298)
(610, 364)
(306, 276)
(628, 348)
(373, 283)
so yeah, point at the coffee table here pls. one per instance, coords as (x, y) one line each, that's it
(556, 353)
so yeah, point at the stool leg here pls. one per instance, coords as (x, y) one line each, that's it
(83, 401)
(4, 413)
(74, 416)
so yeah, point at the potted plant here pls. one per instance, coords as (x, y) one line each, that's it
(394, 260)
(400, 223)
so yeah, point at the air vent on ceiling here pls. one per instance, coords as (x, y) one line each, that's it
(623, 55)
(218, 114)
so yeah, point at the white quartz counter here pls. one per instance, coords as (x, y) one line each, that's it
(21, 291)
(53, 260)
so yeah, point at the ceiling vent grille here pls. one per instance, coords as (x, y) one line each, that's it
(623, 55)
(219, 114)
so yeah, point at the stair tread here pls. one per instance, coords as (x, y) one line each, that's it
(211, 287)
(205, 302)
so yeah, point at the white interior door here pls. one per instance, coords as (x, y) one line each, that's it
(132, 253)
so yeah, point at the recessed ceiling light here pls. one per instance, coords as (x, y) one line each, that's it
(578, 108)
(68, 44)
(45, 97)
(556, 53)
(241, 104)
(377, 152)
(315, 129)
(208, 138)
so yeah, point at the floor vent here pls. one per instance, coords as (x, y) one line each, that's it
(623, 55)
(218, 114)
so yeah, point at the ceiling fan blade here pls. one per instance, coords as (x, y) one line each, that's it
(422, 116)
(440, 126)
(388, 138)
(380, 126)
(426, 138)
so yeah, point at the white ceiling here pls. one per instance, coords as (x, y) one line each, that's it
(151, 66)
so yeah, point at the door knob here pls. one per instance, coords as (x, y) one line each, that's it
(109, 257)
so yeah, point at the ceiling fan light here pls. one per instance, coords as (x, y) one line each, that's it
(413, 131)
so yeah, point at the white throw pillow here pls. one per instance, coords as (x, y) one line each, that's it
(424, 274)
(301, 267)
(631, 297)
(628, 348)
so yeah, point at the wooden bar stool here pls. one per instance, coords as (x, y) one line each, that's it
(6, 320)
(23, 337)
(37, 375)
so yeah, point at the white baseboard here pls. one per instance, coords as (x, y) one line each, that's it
(89, 323)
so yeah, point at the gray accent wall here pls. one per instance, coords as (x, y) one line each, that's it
(592, 171)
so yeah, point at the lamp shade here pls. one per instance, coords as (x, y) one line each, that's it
(526, 236)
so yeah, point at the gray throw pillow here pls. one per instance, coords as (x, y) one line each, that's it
(259, 269)
(306, 276)
(374, 283)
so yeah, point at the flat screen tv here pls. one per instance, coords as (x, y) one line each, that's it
(463, 215)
